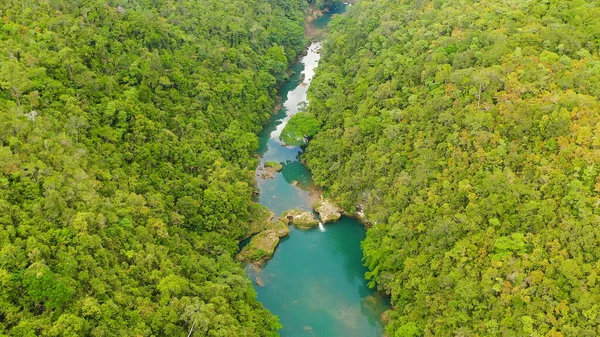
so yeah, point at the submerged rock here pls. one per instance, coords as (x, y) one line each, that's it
(300, 219)
(262, 245)
(371, 303)
(255, 268)
(259, 282)
(328, 211)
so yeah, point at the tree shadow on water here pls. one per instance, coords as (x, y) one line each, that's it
(295, 173)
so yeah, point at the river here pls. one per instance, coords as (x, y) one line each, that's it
(315, 281)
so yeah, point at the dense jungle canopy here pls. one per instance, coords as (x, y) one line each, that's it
(127, 141)
(468, 131)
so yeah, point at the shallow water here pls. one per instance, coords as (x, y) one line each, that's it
(280, 194)
(315, 281)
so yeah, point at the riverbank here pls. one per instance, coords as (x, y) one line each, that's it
(315, 28)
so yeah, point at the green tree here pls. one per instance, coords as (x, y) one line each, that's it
(302, 126)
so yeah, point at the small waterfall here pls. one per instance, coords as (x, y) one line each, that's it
(321, 227)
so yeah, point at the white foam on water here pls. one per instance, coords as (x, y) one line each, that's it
(299, 94)
(321, 227)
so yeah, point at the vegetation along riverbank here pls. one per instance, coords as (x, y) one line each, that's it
(469, 133)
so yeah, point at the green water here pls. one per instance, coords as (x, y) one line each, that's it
(322, 21)
(315, 281)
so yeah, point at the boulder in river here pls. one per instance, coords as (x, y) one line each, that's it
(328, 211)
(300, 219)
(269, 169)
(274, 165)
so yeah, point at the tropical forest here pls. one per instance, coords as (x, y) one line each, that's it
(370, 168)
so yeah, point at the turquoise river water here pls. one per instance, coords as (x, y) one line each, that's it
(315, 281)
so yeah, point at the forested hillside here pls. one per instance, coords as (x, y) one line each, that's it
(127, 134)
(469, 132)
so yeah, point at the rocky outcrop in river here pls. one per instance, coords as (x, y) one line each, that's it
(300, 219)
(262, 245)
(328, 211)
(269, 169)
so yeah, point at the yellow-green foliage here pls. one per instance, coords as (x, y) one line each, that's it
(469, 131)
(274, 165)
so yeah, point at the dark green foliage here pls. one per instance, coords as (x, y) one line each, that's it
(127, 134)
(468, 132)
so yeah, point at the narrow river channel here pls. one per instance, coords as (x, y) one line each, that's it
(315, 281)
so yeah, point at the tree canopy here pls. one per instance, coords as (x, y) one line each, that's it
(468, 133)
(301, 126)
(127, 135)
